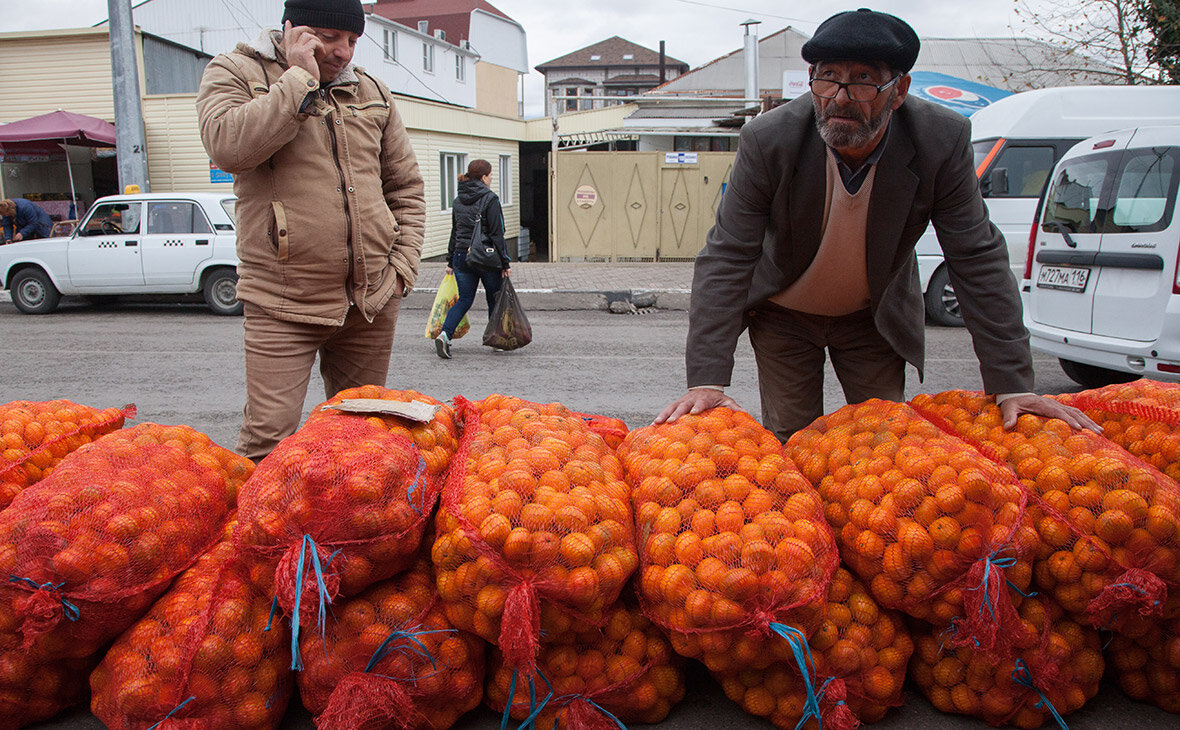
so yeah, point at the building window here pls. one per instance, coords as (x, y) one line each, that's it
(460, 68)
(703, 144)
(428, 58)
(451, 166)
(505, 179)
(571, 100)
(389, 45)
(628, 56)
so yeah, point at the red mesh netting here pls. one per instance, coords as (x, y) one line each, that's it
(1143, 417)
(34, 687)
(1147, 666)
(612, 430)
(1057, 666)
(202, 658)
(858, 664)
(391, 659)
(535, 529)
(732, 538)
(437, 440)
(337, 506)
(934, 528)
(626, 669)
(1107, 521)
(90, 547)
(36, 435)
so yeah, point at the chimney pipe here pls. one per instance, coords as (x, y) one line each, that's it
(663, 65)
(750, 52)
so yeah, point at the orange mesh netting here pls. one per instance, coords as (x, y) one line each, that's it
(202, 659)
(857, 666)
(1107, 521)
(1147, 665)
(391, 659)
(337, 506)
(732, 538)
(1143, 417)
(90, 547)
(625, 672)
(934, 528)
(535, 529)
(36, 435)
(1056, 668)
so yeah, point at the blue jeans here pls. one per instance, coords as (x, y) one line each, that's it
(468, 280)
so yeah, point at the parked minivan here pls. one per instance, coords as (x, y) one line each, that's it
(1017, 141)
(1102, 280)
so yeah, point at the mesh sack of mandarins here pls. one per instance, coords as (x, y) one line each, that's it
(1143, 417)
(392, 659)
(436, 439)
(612, 430)
(1055, 669)
(535, 528)
(1109, 547)
(934, 528)
(36, 435)
(731, 537)
(856, 665)
(34, 687)
(205, 656)
(337, 506)
(1147, 665)
(624, 672)
(90, 547)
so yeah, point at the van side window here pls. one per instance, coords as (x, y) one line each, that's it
(1025, 170)
(1073, 198)
(1146, 187)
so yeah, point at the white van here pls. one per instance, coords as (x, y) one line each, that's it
(1103, 286)
(1017, 141)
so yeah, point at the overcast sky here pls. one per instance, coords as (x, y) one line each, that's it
(695, 31)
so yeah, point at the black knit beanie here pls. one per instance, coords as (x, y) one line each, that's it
(346, 15)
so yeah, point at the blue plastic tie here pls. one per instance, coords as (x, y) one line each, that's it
(508, 704)
(417, 485)
(603, 710)
(321, 590)
(69, 610)
(274, 608)
(173, 712)
(802, 652)
(386, 648)
(1023, 677)
(535, 708)
(1135, 588)
(990, 561)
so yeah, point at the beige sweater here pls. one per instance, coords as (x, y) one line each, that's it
(837, 281)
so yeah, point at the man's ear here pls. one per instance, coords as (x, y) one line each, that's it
(903, 90)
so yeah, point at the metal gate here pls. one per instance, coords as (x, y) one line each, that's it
(634, 206)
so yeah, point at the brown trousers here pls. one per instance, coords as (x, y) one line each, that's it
(789, 348)
(279, 358)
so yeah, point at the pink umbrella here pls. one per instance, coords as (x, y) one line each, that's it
(64, 127)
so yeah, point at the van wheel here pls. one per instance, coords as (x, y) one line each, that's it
(1092, 376)
(942, 306)
(33, 292)
(221, 292)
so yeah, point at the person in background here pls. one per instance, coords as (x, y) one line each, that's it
(813, 247)
(475, 200)
(22, 220)
(331, 210)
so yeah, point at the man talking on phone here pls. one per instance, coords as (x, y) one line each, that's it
(330, 213)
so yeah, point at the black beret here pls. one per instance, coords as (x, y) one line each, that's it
(864, 35)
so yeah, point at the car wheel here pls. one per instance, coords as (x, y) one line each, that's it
(942, 306)
(33, 292)
(221, 292)
(1092, 376)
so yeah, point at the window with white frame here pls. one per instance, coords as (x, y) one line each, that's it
(389, 44)
(505, 179)
(571, 100)
(428, 57)
(460, 68)
(451, 166)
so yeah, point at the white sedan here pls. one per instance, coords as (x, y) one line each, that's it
(145, 243)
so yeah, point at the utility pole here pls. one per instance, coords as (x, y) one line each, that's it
(130, 138)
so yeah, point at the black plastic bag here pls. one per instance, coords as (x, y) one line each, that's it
(508, 327)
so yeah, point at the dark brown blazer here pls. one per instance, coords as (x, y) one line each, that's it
(768, 230)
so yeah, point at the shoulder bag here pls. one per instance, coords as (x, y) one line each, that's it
(482, 254)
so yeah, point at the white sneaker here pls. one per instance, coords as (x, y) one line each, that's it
(442, 346)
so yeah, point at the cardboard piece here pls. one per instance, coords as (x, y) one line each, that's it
(414, 410)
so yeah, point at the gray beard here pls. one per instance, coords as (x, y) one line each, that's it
(840, 136)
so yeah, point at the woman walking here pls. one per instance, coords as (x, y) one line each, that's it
(475, 201)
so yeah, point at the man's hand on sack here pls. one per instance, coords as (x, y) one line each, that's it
(302, 48)
(1038, 405)
(696, 401)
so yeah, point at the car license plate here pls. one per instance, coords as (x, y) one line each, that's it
(1065, 278)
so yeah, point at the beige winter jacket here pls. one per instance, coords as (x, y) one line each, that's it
(331, 208)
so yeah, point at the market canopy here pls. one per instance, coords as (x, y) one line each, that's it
(965, 97)
(60, 126)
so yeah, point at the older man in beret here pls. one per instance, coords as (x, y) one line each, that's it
(813, 247)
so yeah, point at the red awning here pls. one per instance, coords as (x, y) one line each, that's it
(59, 126)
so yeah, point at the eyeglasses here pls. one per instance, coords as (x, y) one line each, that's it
(826, 89)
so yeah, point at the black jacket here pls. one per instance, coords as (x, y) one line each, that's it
(472, 195)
